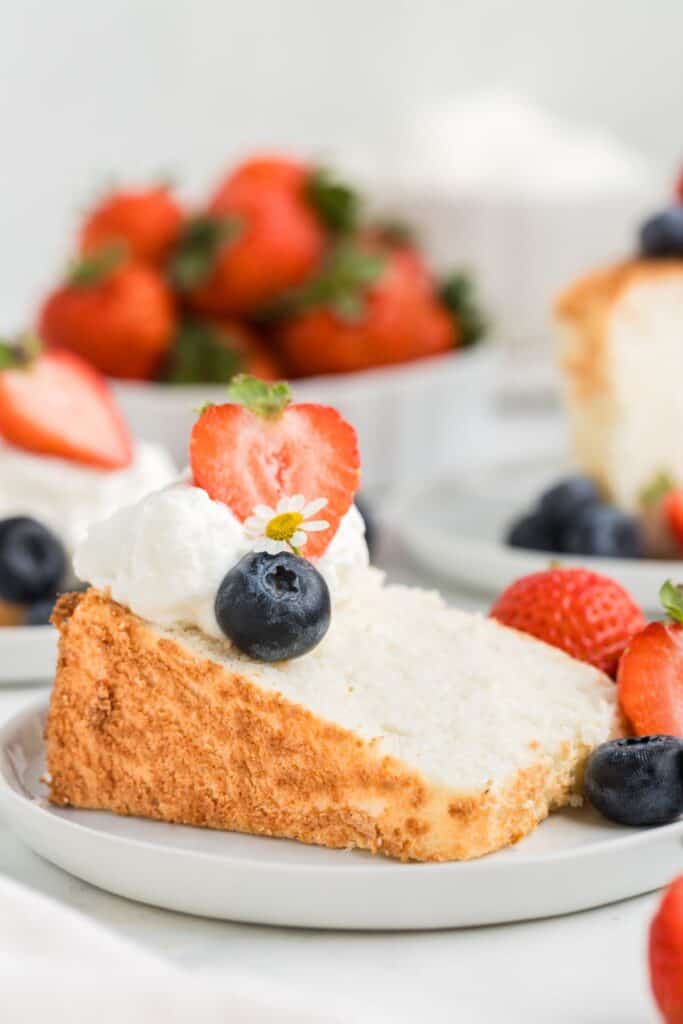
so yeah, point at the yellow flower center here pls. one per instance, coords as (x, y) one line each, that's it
(284, 526)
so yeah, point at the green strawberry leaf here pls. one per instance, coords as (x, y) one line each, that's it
(200, 243)
(98, 265)
(671, 597)
(457, 293)
(267, 400)
(341, 285)
(201, 354)
(19, 353)
(658, 488)
(337, 205)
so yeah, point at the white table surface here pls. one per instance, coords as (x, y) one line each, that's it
(588, 967)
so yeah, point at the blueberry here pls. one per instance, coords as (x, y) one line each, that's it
(40, 612)
(603, 530)
(532, 531)
(273, 607)
(637, 781)
(662, 235)
(369, 520)
(32, 561)
(561, 503)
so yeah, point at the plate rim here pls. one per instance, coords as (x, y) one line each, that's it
(38, 710)
(396, 513)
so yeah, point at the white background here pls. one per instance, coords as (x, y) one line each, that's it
(130, 88)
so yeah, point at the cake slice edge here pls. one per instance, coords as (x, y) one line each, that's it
(140, 724)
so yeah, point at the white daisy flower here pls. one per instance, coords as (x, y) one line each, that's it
(285, 527)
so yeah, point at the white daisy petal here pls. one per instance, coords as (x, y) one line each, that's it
(264, 512)
(299, 539)
(297, 503)
(253, 524)
(260, 545)
(313, 506)
(316, 526)
(283, 505)
(276, 546)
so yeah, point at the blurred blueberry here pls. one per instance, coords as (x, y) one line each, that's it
(40, 612)
(532, 531)
(32, 560)
(603, 530)
(562, 502)
(662, 235)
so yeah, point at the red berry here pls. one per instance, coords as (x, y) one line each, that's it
(673, 513)
(245, 459)
(666, 954)
(148, 222)
(121, 319)
(589, 616)
(679, 188)
(58, 405)
(651, 680)
(370, 306)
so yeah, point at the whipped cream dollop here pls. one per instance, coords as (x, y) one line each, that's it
(165, 557)
(67, 497)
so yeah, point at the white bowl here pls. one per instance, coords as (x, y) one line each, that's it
(414, 421)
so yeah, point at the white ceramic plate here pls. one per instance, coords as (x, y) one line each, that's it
(457, 529)
(28, 654)
(573, 861)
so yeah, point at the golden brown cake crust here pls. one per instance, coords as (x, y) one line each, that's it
(605, 285)
(583, 310)
(140, 725)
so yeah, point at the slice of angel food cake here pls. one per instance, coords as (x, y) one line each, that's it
(237, 664)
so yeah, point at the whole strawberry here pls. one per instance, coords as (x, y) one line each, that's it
(650, 676)
(666, 954)
(263, 233)
(147, 222)
(587, 615)
(116, 314)
(371, 305)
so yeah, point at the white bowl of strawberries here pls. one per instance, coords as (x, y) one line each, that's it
(277, 276)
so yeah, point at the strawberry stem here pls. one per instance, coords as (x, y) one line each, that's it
(457, 293)
(657, 489)
(337, 205)
(341, 285)
(671, 597)
(98, 265)
(20, 353)
(266, 400)
(201, 241)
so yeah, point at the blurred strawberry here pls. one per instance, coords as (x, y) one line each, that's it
(371, 305)
(666, 954)
(53, 403)
(264, 233)
(117, 315)
(148, 222)
(212, 352)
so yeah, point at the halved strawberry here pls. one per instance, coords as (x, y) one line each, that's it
(54, 403)
(650, 679)
(263, 449)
